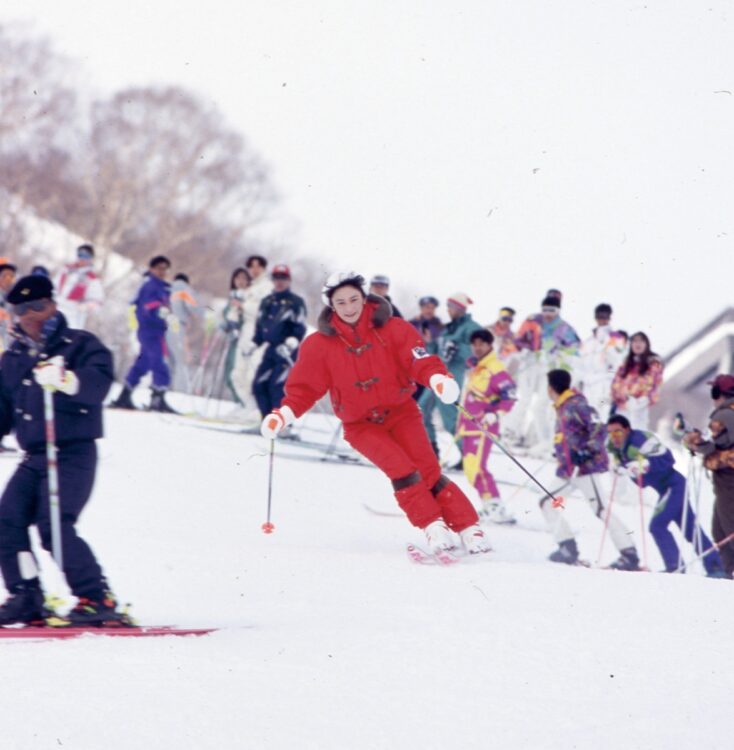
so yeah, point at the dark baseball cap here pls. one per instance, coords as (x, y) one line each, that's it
(725, 383)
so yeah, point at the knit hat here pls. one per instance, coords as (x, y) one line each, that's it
(428, 300)
(460, 300)
(30, 288)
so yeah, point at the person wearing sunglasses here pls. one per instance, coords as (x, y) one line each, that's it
(78, 368)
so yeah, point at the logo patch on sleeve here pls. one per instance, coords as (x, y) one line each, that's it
(420, 353)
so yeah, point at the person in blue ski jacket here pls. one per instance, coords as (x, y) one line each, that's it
(78, 369)
(281, 324)
(152, 308)
(642, 456)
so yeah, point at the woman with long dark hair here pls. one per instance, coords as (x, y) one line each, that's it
(636, 386)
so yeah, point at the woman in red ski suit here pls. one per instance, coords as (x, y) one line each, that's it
(369, 362)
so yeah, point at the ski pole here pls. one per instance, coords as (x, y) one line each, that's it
(53, 475)
(642, 522)
(607, 516)
(525, 484)
(332, 445)
(557, 500)
(268, 527)
(713, 548)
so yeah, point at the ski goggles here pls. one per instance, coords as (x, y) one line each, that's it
(36, 305)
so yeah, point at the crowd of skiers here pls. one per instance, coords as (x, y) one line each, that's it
(395, 384)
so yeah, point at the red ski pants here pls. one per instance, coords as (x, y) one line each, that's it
(399, 445)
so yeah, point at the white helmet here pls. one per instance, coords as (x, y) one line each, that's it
(341, 278)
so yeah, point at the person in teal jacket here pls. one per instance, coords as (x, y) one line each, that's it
(454, 348)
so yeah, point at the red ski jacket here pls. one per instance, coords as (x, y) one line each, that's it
(366, 369)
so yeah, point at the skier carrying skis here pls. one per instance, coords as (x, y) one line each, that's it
(368, 361)
(47, 353)
(579, 448)
(489, 392)
(152, 308)
(649, 463)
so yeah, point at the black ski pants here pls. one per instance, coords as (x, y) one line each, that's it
(25, 503)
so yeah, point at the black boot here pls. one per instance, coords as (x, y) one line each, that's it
(124, 400)
(99, 612)
(25, 606)
(567, 552)
(627, 560)
(158, 402)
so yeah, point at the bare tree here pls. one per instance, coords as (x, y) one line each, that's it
(37, 110)
(163, 172)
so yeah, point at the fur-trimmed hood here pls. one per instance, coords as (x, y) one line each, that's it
(378, 307)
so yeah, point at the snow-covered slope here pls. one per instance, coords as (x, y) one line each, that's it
(332, 639)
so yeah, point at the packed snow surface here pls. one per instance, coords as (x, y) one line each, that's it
(331, 638)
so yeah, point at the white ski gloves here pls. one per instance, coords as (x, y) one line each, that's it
(274, 422)
(445, 387)
(490, 419)
(638, 468)
(53, 374)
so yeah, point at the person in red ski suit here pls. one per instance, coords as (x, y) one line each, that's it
(369, 362)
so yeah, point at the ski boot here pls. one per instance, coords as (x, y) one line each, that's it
(627, 560)
(567, 553)
(494, 511)
(158, 402)
(124, 400)
(99, 614)
(25, 606)
(474, 540)
(438, 536)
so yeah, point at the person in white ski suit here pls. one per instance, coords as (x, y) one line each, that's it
(601, 355)
(78, 288)
(546, 342)
(249, 355)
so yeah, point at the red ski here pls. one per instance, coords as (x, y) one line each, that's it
(56, 633)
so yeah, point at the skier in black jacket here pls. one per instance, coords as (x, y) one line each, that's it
(78, 367)
(281, 324)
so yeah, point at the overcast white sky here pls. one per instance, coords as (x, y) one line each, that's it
(492, 147)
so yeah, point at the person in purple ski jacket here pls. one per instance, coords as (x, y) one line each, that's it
(579, 448)
(152, 308)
